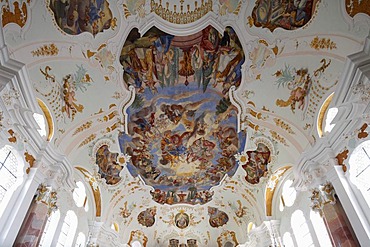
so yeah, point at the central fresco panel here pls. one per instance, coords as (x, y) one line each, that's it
(182, 129)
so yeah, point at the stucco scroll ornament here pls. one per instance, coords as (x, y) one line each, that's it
(316, 201)
(363, 90)
(48, 197)
(323, 195)
(328, 193)
(314, 174)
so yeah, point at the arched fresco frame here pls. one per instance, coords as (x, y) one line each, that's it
(158, 94)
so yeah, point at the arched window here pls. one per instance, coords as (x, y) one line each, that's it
(115, 227)
(288, 195)
(300, 229)
(251, 226)
(136, 243)
(360, 169)
(10, 175)
(229, 244)
(81, 239)
(68, 231)
(40, 120)
(79, 194)
(287, 240)
(49, 229)
(320, 229)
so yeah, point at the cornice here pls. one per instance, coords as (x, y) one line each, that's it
(314, 164)
(21, 110)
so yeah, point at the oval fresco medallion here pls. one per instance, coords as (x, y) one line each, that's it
(182, 129)
(182, 220)
(79, 16)
(286, 14)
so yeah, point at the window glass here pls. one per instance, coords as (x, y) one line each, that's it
(300, 229)
(40, 120)
(287, 240)
(49, 229)
(289, 194)
(79, 194)
(332, 112)
(136, 244)
(320, 229)
(68, 230)
(11, 175)
(81, 239)
(8, 170)
(360, 169)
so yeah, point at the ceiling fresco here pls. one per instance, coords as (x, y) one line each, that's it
(182, 131)
(178, 115)
(78, 16)
(285, 14)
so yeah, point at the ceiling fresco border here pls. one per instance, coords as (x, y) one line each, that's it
(359, 19)
(169, 26)
(74, 20)
(17, 15)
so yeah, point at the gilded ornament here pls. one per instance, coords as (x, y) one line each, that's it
(124, 212)
(278, 138)
(362, 131)
(46, 50)
(280, 123)
(83, 127)
(353, 7)
(323, 43)
(18, 16)
(12, 137)
(321, 196)
(30, 160)
(48, 197)
(183, 16)
(341, 157)
(10, 95)
(87, 140)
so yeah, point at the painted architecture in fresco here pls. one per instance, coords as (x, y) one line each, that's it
(182, 134)
(286, 14)
(78, 16)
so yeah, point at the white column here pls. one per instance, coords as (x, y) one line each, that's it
(350, 204)
(18, 207)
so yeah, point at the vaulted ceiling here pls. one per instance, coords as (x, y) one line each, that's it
(180, 113)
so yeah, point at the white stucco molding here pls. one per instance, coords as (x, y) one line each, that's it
(314, 163)
(14, 77)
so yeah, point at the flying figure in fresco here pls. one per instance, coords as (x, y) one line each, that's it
(78, 16)
(182, 134)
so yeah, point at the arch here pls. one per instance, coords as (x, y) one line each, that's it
(136, 243)
(115, 226)
(326, 116)
(79, 194)
(94, 189)
(271, 187)
(250, 227)
(48, 118)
